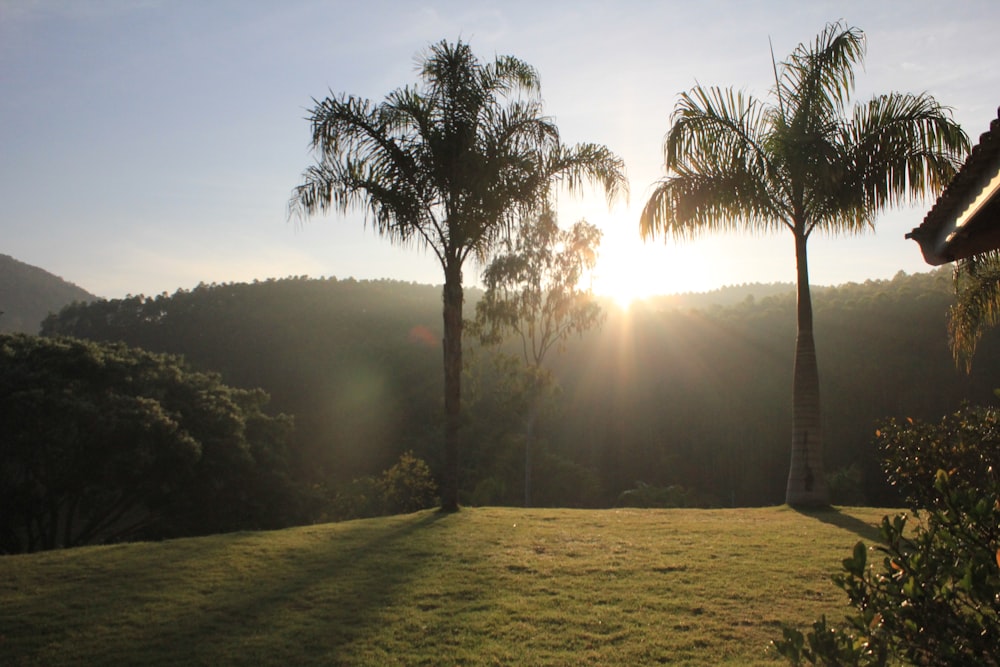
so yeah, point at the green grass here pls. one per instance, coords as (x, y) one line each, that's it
(480, 587)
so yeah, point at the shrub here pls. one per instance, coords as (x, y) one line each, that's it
(408, 486)
(965, 443)
(648, 495)
(931, 597)
(846, 486)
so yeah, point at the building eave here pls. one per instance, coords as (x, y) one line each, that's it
(965, 220)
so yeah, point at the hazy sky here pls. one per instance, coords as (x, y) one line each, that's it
(149, 145)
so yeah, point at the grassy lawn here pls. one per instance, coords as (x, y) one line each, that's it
(486, 586)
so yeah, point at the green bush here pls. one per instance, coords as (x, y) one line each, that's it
(965, 443)
(932, 594)
(846, 486)
(406, 487)
(675, 495)
(489, 491)
(360, 498)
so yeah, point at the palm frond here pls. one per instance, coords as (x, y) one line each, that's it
(817, 80)
(720, 172)
(574, 166)
(977, 305)
(685, 206)
(904, 146)
(514, 74)
(718, 126)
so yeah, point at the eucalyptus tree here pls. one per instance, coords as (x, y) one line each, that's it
(798, 162)
(535, 290)
(450, 164)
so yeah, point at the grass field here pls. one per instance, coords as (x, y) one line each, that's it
(485, 586)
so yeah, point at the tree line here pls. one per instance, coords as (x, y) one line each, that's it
(661, 395)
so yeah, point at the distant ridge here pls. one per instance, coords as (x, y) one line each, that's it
(723, 296)
(28, 294)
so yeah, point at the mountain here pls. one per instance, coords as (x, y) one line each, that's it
(28, 294)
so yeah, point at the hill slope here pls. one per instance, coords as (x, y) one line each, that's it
(662, 394)
(28, 294)
(482, 587)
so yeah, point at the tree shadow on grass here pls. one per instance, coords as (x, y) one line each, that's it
(251, 598)
(336, 601)
(834, 517)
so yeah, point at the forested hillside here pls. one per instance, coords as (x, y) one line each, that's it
(663, 394)
(28, 294)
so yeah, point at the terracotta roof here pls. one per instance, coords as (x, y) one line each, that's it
(965, 220)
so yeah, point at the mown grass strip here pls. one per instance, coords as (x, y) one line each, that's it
(485, 586)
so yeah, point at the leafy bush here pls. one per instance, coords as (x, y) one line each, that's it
(965, 443)
(360, 498)
(675, 495)
(933, 595)
(489, 491)
(103, 442)
(408, 486)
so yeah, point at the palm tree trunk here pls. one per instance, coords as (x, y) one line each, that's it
(806, 481)
(452, 343)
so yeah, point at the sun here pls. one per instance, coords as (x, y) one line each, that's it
(629, 270)
(622, 275)
(614, 281)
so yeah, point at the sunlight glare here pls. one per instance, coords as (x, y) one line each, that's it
(629, 270)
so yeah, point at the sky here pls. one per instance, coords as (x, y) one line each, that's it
(151, 145)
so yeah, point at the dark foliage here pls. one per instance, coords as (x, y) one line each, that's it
(965, 444)
(408, 486)
(357, 363)
(101, 443)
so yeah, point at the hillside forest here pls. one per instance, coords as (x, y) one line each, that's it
(688, 395)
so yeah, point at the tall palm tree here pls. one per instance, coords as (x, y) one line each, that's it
(797, 162)
(450, 164)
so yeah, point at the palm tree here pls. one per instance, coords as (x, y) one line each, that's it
(977, 304)
(450, 165)
(796, 162)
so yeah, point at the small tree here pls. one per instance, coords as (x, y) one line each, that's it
(534, 291)
(408, 486)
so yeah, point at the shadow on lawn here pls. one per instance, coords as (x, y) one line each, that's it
(334, 593)
(835, 517)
